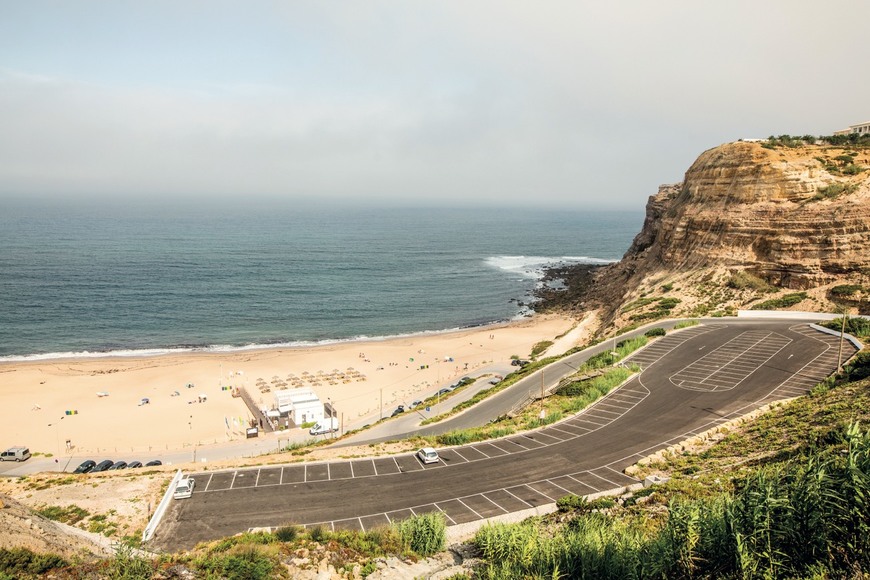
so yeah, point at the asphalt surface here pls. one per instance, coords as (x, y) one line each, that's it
(692, 380)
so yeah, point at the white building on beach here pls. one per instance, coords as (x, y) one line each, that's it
(300, 405)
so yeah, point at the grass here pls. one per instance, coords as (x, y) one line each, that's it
(784, 301)
(71, 514)
(580, 394)
(540, 347)
(743, 280)
(783, 496)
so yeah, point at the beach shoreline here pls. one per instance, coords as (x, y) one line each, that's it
(94, 405)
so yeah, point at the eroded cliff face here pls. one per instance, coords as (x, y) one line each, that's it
(798, 218)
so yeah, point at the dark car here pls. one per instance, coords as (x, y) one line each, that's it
(400, 409)
(103, 465)
(134, 464)
(86, 466)
(118, 465)
(416, 404)
(445, 391)
(154, 463)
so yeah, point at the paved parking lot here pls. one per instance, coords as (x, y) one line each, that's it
(693, 380)
(599, 415)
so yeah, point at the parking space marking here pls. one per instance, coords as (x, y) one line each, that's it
(727, 366)
(535, 485)
(456, 511)
(340, 470)
(446, 515)
(208, 482)
(528, 495)
(447, 455)
(469, 509)
(293, 474)
(542, 437)
(592, 473)
(507, 501)
(364, 468)
(507, 491)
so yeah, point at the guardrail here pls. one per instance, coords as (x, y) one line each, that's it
(161, 509)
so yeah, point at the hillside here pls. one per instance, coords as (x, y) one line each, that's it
(749, 222)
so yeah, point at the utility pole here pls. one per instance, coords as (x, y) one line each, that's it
(840, 350)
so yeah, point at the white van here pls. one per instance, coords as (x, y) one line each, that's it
(328, 425)
(184, 489)
(15, 454)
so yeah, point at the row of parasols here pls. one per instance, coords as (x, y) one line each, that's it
(318, 378)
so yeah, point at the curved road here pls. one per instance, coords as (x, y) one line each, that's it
(692, 380)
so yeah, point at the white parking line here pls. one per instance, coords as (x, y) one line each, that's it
(257, 481)
(375, 467)
(517, 497)
(305, 473)
(234, 479)
(603, 478)
(494, 503)
(208, 482)
(480, 517)
(448, 515)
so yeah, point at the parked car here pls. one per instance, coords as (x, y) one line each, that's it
(445, 391)
(86, 466)
(15, 454)
(399, 410)
(428, 455)
(416, 404)
(134, 464)
(154, 463)
(184, 489)
(118, 465)
(103, 465)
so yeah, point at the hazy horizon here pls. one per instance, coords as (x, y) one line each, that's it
(484, 104)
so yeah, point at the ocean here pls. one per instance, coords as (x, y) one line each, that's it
(87, 279)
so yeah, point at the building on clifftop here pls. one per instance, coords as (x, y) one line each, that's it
(860, 128)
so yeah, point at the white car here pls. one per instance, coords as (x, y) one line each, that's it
(428, 455)
(184, 489)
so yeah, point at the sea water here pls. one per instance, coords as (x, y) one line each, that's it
(88, 279)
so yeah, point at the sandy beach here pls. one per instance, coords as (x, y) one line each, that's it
(94, 405)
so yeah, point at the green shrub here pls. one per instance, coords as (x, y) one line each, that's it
(685, 324)
(129, 565)
(424, 534)
(243, 562)
(657, 331)
(667, 287)
(16, 562)
(846, 290)
(287, 533)
(71, 514)
(782, 302)
(743, 280)
(541, 347)
(318, 533)
(834, 190)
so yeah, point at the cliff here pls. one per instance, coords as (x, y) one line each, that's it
(783, 218)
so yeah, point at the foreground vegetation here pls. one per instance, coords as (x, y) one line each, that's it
(785, 497)
(249, 556)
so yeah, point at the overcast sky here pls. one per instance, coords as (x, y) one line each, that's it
(559, 104)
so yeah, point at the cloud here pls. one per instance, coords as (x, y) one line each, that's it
(563, 103)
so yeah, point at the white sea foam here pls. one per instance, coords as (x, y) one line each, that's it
(533, 266)
(225, 348)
